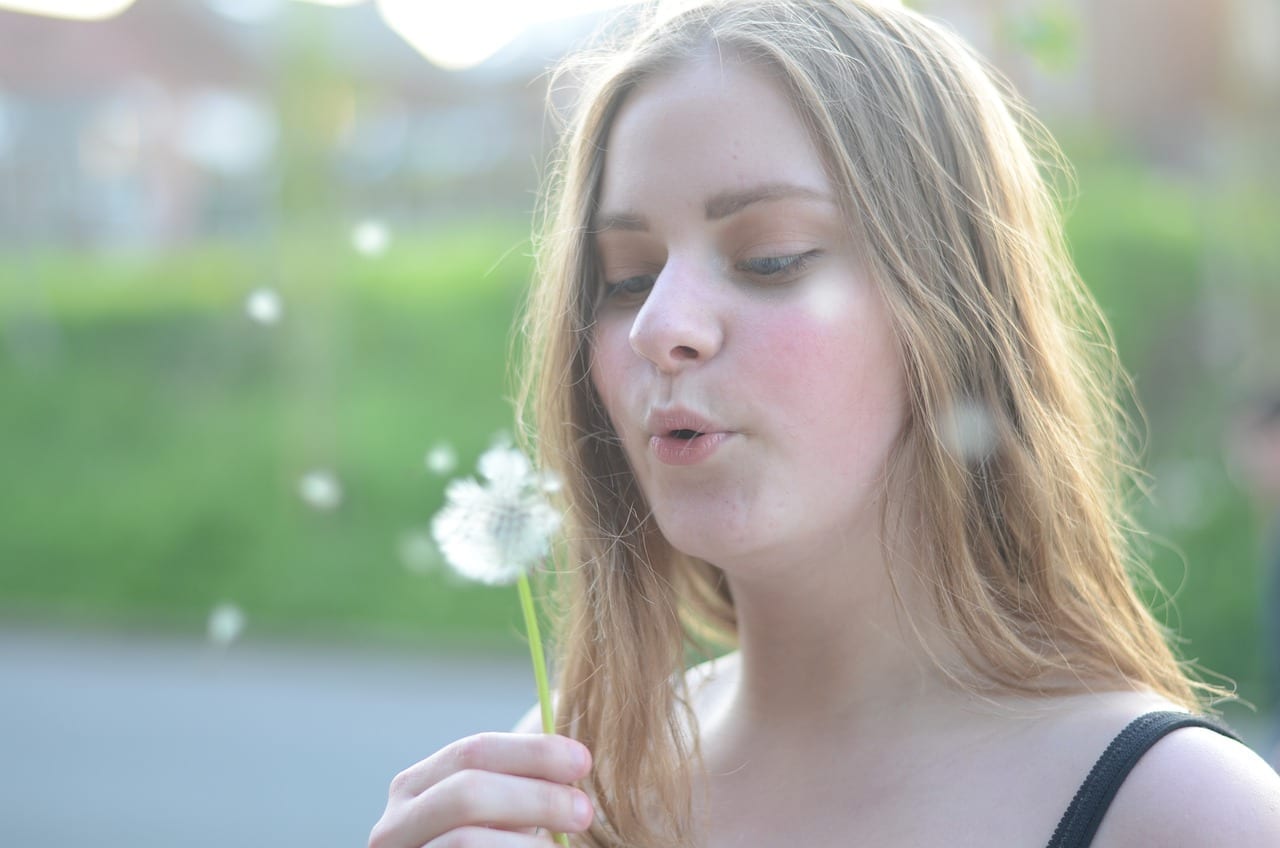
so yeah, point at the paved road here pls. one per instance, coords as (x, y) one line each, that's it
(132, 743)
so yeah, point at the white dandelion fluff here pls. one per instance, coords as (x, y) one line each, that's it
(371, 238)
(441, 459)
(495, 531)
(968, 432)
(264, 306)
(226, 623)
(320, 489)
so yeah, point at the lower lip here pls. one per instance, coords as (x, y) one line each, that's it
(673, 451)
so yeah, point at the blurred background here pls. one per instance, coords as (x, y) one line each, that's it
(259, 261)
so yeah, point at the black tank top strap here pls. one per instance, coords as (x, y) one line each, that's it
(1081, 820)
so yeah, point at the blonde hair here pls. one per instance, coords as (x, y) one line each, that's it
(1028, 543)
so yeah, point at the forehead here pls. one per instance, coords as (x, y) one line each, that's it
(709, 127)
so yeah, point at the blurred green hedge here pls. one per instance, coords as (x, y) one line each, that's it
(154, 436)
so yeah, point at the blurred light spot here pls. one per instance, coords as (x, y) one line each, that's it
(320, 490)
(228, 133)
(226, 623)
(418, 552)
(968, 433)
(264, 306)
(827, 298)
(549, 481)
(441, 459)
(454, 36)
(82, 10)
(370, 238)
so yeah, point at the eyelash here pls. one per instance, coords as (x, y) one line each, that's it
(767, 267)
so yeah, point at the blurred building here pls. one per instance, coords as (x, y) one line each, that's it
(189, 118)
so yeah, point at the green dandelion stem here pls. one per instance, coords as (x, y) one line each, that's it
(539, 666)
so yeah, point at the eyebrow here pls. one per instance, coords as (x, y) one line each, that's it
(718, 206)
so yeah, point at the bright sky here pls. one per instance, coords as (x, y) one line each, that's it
(453, 34)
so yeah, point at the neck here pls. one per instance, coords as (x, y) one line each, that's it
(834, 644)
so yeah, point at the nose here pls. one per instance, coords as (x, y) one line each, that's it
(678, 325)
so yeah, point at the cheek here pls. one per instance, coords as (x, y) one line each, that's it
(608, 360)
(841, 377)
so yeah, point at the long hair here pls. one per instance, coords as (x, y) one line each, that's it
(1016, 452)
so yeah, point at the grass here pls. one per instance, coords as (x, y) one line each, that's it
(154, 437)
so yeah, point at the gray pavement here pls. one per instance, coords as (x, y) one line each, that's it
(120, 742)
(139, 743)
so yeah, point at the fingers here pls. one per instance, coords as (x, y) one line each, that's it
(471, 798)
(544, 756)
(480, 837)
(492, 789)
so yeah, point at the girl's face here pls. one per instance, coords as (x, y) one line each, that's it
(742, 355)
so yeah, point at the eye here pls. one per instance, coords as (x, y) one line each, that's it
(777, 266)
(629, 290)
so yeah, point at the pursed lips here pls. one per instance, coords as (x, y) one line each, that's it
(680, 424)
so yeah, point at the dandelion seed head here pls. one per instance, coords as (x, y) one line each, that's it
(320, 489)
(441, 459)
(226, 623)
(371, 238)
(968, 432)
(264, 306)
(492, 532)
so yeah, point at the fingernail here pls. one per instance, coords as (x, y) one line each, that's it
(581, 757)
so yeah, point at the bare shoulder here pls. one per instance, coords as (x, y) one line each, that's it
(1195, 787)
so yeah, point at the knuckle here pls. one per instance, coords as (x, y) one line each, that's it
(471, 752)
(401, 784)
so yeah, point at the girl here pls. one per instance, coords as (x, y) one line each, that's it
(820, 379)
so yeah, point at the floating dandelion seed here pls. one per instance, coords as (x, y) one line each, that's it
(968, 432)
(226, 622)
(441, 459)
(418, 552)
(494, 532)
(264, 306)
(827, 299)
(371, 238)
(320, 490)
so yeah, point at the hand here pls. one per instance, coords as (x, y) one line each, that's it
(492, 789)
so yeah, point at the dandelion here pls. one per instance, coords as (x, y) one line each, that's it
(495, 532)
